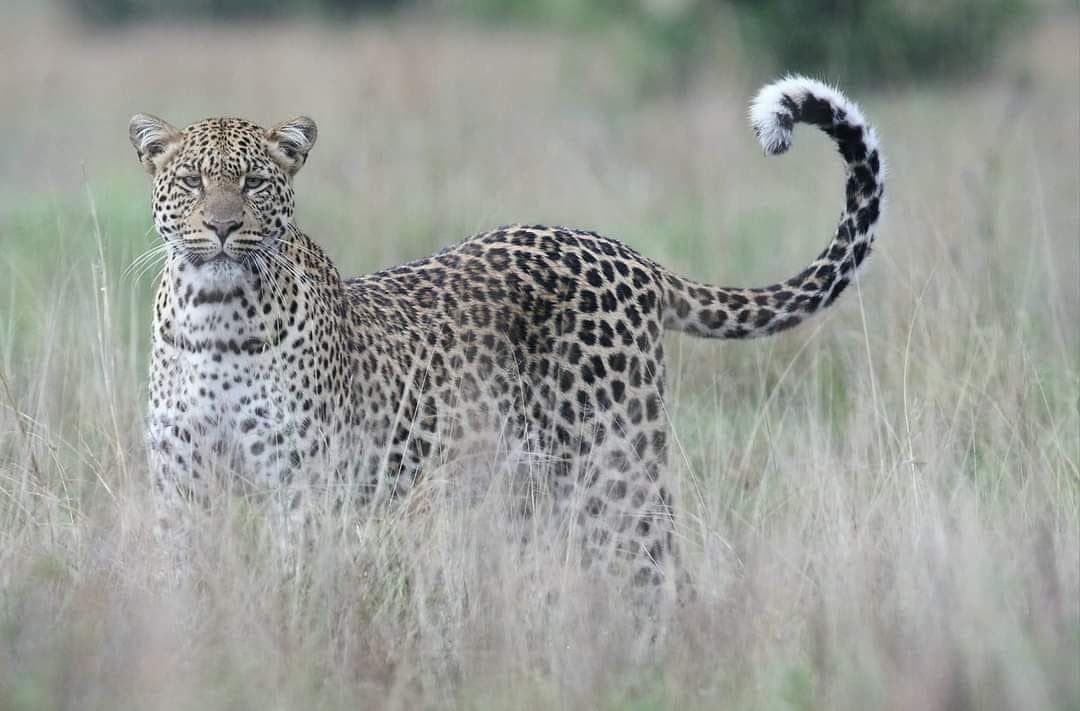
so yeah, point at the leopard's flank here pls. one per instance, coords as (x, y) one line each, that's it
(540, 345)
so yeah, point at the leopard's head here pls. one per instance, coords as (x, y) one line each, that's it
(222, 187)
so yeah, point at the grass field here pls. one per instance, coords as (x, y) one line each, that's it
(881, 510)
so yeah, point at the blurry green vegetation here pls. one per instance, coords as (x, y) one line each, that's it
(845, 40)
(879, 40)
(74, 264)
(110, 12)
(662, 44)
(659, 43)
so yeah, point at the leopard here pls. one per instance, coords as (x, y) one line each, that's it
(542, 344)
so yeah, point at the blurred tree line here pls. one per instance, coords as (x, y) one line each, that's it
(667, 41)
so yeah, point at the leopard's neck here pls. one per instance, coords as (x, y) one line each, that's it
(242, 309)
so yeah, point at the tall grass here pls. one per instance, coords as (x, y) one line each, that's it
(880, 510)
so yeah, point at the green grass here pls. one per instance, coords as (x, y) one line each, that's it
(880, 510)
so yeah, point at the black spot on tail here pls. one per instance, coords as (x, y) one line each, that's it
(874, 161)
(849, 139)
(867, 215)
(864, 180)
(788, 120)
(782, 324)
(861, 250)
(816, 111)
(838, 289)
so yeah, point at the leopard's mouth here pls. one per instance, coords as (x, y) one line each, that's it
(217, 259)
(222, 266)
(241, 254)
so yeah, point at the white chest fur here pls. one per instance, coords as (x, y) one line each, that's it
(219, 381)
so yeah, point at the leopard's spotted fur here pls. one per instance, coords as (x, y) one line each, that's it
(543, 343)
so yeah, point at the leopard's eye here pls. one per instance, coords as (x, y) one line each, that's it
(253, 182)
(192, 181)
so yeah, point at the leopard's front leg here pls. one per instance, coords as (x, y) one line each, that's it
(179, 489)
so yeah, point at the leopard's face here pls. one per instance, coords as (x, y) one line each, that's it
(222, 188)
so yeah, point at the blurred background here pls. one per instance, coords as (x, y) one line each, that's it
(883, 507)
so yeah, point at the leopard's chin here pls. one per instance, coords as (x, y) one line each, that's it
(222, 269)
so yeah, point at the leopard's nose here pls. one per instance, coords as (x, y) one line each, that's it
(222, 228)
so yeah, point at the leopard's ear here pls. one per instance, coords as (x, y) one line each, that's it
(155, 141)
(290, 141)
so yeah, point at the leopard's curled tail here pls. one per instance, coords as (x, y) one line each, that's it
(721, 312)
